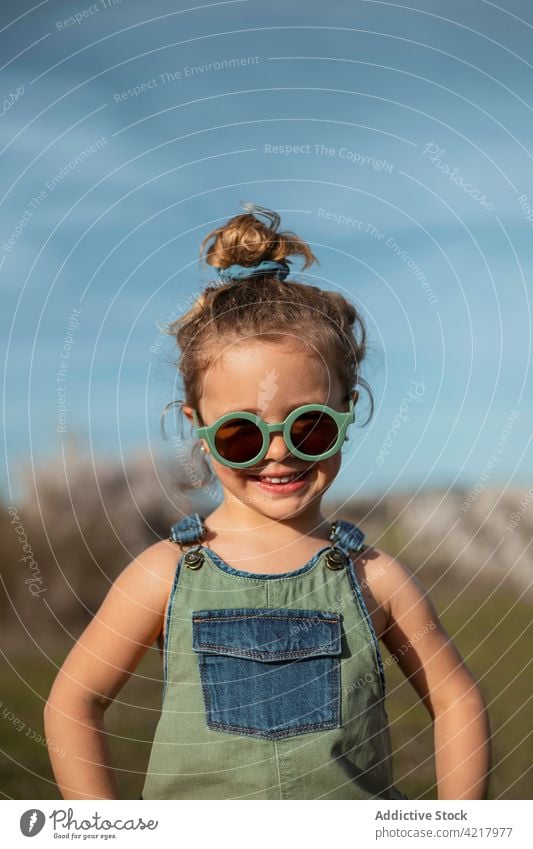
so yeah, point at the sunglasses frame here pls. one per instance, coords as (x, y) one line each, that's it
(342, 420)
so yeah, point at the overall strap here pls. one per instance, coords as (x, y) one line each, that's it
(188, 530)
(347, 536)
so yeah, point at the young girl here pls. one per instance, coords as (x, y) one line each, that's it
(274, 685)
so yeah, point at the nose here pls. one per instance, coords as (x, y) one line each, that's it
(277, 450)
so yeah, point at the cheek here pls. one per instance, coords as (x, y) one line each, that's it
(228, 477)
(331, 467)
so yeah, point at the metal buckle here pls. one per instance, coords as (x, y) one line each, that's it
(336, 559)
(194, 558)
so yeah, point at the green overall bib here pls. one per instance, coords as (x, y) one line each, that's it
(274, 685)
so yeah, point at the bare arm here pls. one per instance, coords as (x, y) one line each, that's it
(98, 666)
(430, 660)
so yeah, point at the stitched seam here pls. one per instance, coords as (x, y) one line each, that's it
(287, 577)
(276, 754)
(168, 630)
(239, 616)
(337, 689)
(369, 625)
(229, 650)
(286, 732)
(205, 691)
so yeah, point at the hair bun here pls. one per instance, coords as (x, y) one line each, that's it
(247, 241)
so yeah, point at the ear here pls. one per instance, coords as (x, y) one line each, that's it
(188, 412)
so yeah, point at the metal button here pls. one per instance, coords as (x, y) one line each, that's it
(335, 559)
(194, 559)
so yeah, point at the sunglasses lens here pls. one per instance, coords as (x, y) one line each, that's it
(314, 433)
(238, 440)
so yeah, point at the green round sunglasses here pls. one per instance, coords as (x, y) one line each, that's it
(311, 432)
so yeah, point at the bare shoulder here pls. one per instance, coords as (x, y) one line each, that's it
(381, 577)
(145, 583)
(158, 563)
(155, 570)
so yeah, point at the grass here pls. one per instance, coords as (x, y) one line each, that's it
(491, 632)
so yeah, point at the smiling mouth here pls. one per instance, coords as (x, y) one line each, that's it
(295, 476)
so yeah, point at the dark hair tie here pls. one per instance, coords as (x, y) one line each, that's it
(241, 272)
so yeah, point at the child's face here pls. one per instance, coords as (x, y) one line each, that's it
(271, 379)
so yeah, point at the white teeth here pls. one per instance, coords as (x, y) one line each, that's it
(285, 479)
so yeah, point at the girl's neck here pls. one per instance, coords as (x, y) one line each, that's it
(239, 518)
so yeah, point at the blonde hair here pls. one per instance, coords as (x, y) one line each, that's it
(264, 306)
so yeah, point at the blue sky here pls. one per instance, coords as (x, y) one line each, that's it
(395, 138)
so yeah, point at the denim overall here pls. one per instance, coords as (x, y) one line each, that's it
(274, 685)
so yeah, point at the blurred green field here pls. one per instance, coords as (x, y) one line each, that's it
(490, 630)
(493, 634)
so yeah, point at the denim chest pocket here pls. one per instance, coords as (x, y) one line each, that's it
(269, 672)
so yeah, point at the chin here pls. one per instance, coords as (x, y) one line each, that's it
(278, 510)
